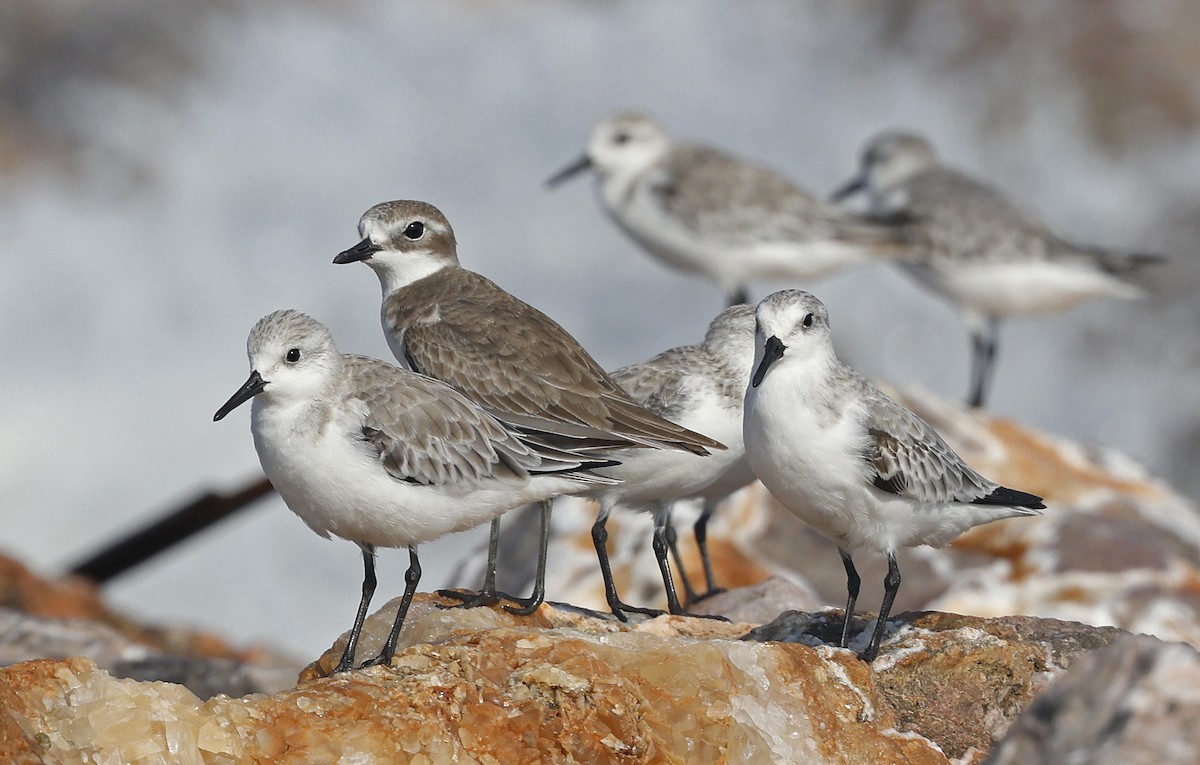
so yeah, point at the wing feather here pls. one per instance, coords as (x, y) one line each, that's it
(426, 432)
(518, 362)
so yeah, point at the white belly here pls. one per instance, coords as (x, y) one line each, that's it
(339, 489)
(1019, 289)
(724, 260)
(817, 471)
(650, 475)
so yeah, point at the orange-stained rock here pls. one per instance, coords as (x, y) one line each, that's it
(482, 685)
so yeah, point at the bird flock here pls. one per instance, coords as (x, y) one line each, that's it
(494, 405)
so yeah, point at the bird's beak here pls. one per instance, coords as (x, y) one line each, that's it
(772, 352)
(252, 388)
(856, 184)
(576, 167)
(360, 251)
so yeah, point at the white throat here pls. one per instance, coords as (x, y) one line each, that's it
(397, 271)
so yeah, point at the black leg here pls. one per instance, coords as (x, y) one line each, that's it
(984, 339)
(701, 532)
(891, 584)
(368, 590)
(673, 543)
(530, 604)
(853, 582)
(600, 540)
(488, 595)
(662, 526)
(662, 522)
(411, 578)
(739, 295)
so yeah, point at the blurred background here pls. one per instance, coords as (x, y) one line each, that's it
(170, 172)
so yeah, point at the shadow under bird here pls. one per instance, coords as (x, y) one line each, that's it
(511, 359)
(848, 460)
(382, 457)
(984, 254)
(702, 210)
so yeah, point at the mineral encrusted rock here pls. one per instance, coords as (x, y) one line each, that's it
(484, 686)
(1133, 703)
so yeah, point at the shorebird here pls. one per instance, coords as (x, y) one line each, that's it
(700, 387)
(370, 453)
(985, 255)
(852, 463)
(517, 363)
(701, 210)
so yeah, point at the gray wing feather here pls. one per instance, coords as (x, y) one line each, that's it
(663, 384)
(723, 197)
(426, 432)
(972, 220)
(910, 459)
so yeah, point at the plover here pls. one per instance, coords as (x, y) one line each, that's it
(367, 452)
(702, 388)
(985, 255)
(702, 210)
(517, 363)
(854, 464)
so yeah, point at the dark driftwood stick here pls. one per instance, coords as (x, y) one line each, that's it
(124, 554)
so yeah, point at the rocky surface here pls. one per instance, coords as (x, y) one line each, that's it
(484, 686)
(1134, 703)
(59, 618)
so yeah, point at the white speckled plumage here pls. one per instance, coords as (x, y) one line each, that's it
(850, 461)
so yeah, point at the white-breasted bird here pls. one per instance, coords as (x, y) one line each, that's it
(382, 457)
(702, 210)
(984, 254)
(848, 460)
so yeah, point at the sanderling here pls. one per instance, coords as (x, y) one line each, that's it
(454, 325)
(701, 210)
(854, 464)
(985, 255)
(362, 450)
(700, 387)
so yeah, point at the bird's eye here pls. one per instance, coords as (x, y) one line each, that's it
(621, 137)
(807, 321)
(415, 230)
(293, 356)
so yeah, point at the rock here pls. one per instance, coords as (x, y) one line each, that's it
(760, 603)
(66, 617)
(1133, 703)
(482, 685)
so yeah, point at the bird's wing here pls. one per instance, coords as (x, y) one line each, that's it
(910, 459)
(518, 363)
(427, 433)
(663, 384)
(723, 198)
